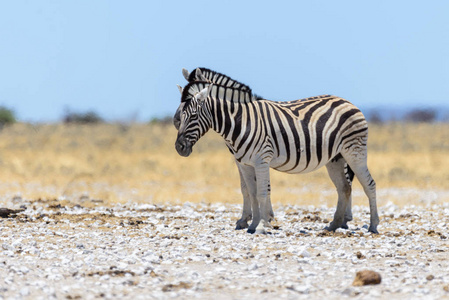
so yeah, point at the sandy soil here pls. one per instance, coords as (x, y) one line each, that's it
(87, 250)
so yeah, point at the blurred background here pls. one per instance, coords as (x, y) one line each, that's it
(88, 89)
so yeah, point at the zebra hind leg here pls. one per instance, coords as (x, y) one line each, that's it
(270, 207)
(342, 177)
(356, 158)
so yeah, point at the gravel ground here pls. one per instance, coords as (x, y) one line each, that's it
(59, 249)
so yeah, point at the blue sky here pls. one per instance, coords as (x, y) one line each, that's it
(123, 59)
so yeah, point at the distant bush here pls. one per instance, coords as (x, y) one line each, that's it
(375, 117)
(421, 116)
(82, 118)
(164, 121)
(7, 116)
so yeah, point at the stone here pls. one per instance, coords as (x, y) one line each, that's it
(367, 277)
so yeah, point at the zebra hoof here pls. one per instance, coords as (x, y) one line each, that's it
(330, 228)
(373, 230)
(240, 226)
(250, 230)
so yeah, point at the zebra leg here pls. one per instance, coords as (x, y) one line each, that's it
(348, 214)
(343, 214)
(270, 207)
(246, 213)
(249, 176)
(262, 171)
(356, 156)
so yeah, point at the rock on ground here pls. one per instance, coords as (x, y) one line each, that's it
(367, 277)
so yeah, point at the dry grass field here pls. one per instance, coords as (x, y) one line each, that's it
(106, 216)
(138, 163)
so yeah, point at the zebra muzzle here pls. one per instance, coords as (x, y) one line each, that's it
(183, 146)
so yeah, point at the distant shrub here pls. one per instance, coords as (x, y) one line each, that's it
(421, 116)
(82, 118)
(375, 117)
(164, 121)
(7, 116)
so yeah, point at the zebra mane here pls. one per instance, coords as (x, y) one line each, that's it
(217, 78)
(240, 95)
(191, 89)
(220, 79)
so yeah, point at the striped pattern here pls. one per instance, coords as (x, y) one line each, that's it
(204, 74)
(293, 137)
(296, 137)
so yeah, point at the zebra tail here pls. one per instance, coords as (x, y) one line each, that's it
(349, 174)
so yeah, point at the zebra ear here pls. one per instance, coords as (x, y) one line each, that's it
(199, 75)
(179, 88)
(186, 74)
(202, 95)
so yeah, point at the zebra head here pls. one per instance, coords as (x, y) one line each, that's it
(177, 116)
(194, 116)
(206, 75)
(190, 77)
(196, 75)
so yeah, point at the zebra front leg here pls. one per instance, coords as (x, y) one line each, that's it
(242, 223)
(247, 213)
(249, 177)
(262, 170)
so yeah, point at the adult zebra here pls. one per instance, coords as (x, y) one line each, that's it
(293, 137)
(204, 74)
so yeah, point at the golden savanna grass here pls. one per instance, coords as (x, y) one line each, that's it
(138, 163)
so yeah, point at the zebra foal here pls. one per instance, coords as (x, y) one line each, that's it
(294, 137)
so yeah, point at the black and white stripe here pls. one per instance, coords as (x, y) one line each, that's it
(293, 137)
(297, 136)
(207, 75)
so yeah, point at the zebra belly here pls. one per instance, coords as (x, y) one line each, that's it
(302, 161)
(301, 168)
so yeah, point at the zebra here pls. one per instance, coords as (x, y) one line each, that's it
(204, 74)
(294, 137)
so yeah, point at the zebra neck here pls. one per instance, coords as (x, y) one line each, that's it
(235, 95)
(227, 117)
